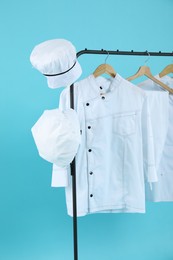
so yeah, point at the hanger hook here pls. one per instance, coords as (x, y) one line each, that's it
(147, 58)
(106, 56)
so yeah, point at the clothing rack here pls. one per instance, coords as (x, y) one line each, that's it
(73, 164)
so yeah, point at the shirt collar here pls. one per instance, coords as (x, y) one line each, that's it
(151, 85)
(108, 85)
(166, 79)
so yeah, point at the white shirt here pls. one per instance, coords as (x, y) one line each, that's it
(116, 151)
(163, 189)
(159, 111)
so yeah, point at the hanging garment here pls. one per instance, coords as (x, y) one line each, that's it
(163, 189)
(159, 110)
(116, 151)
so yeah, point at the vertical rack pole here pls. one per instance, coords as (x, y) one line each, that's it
(74, 195)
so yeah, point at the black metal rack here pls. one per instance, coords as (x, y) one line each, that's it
(73, 165)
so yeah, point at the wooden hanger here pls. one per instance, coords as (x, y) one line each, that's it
(104, 68)
(145, 71)
(168, 69)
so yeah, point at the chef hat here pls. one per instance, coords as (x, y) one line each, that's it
(56, 59)
(57, 136)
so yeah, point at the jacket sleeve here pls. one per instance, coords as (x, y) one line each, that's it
(57, 137)
(60, 176)
(148, 145)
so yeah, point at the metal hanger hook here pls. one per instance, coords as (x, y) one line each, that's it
(106, 56)
(147, 58)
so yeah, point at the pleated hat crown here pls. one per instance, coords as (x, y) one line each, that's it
(56, 59)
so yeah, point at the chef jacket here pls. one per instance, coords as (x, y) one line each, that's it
(116, 152)
(163, 189)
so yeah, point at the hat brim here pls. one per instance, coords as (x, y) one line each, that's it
(65, 79)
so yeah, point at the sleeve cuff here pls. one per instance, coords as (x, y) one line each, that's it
(152, 174)
(59, 176)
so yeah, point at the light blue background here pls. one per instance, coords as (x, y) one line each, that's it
(33, 221)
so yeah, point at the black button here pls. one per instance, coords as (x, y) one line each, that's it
(91, 173)
(89, 150)
(103, 97)
(87, 104)
(101, 87)
(91, 195)
(89, 127)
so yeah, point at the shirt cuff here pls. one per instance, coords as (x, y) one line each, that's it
(59, 176)
(152, 174)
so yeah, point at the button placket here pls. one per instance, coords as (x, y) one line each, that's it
(89, 134)
(88, 127)
(101, 91)
(90, 179)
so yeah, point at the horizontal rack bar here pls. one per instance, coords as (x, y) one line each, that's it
(118, 52)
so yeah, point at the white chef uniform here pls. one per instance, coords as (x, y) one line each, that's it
(116, 149)
(163, 189)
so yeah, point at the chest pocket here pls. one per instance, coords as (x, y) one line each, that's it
(124, 124)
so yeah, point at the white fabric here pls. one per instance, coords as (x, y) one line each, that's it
(57, 136)
(59, 176)
(159, 110)
(54, 57)
(116, 151)
(163, 189)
